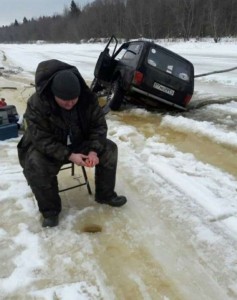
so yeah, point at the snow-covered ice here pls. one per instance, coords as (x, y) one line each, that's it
(177, 236)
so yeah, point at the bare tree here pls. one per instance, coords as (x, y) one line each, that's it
(214, 18)
(183, 13)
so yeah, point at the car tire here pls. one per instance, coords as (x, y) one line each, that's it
(115, 95)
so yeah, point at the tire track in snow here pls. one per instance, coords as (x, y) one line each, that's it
(167, 193)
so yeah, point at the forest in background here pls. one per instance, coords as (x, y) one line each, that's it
(129, 19)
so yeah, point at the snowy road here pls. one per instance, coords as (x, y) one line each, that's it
(177, 236)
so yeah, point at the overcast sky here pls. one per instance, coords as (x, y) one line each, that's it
(18, 9)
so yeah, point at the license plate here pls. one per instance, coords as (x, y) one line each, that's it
(163, 88)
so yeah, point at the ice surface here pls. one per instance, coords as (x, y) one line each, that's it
(176, 237)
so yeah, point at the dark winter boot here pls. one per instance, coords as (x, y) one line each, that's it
(116, 201)
(50, 221)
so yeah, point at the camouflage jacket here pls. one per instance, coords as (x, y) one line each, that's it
(47, 130)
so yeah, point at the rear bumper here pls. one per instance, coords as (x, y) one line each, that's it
(149, 95)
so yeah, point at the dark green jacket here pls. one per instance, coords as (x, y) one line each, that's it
(47, 130)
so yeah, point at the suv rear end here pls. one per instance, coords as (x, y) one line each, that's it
(162, 76)
(145, 72)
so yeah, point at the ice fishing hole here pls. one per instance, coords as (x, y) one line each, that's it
(92, 228)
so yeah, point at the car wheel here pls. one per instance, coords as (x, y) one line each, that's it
(115, 95)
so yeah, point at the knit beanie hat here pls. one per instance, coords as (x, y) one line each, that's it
(66, 85)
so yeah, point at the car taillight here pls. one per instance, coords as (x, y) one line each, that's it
(138, 77)
(187, 99)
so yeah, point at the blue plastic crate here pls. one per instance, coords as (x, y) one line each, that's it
(8, 131)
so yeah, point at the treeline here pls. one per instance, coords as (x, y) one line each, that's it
(128, 19)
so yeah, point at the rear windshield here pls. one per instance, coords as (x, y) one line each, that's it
(169, 64)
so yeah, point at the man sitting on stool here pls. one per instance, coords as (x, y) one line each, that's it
(65, 123)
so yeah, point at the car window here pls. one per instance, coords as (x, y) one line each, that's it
(120, 54)
(169, 64)
(132, 54)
